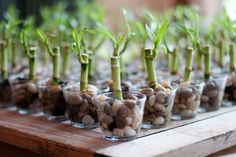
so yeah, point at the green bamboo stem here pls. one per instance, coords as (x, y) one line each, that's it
(14, 53)
(168, 60)
(207, 60)
(188, 64)
(122, 68)
(232, 58)
(66, 58)
(115, 70)
(4, 60)
(84, 72)
(45, 55)
(32, 63)
(91, 65)
(149, 59)
(144, 68)
(221, 53)
(174, 65)
(199, 59)
(56, 65)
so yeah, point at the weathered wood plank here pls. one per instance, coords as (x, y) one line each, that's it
(197, 139)
(57, 139)
(7, 150)
(48, 138)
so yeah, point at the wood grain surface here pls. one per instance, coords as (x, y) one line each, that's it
(206, 134)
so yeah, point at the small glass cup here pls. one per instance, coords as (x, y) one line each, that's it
(25, 96)
(187, 100)
(120, 120)
(81, 111)
(158, 106)
(5, 94)
(213, 92)
(230, 91)
(53, 102)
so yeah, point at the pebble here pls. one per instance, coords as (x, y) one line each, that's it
(212, 93)
(210, 85)
(160, 96)
(192, 106)
(186, 113)
(108, 109)
(120, 122)
(31, 87)
(124, 111)
(107, 133)
(191, 99)
(152, 100)
(186, 92)
(166, 84)
(84, 106)
(128, 131)
(55, 88)
(87, 119)
(128, 120)
(147, 91)
(159, 121)
(116, 106)
(130, 103)
(92, 88)
(204, 98)
(118, 132)
(73, 98)
(136, 121)
(160, 108)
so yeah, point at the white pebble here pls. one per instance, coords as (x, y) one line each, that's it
(31, 87)
(128, 131)
(128, 120)
(159, 121)
(152, 100)
(116, 106)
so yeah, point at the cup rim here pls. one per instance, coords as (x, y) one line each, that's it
(192, 83)
(124, 92)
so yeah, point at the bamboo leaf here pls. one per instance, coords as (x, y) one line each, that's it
(150, 33)
(160, 33)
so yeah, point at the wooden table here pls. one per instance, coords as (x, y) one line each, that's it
(208, 133)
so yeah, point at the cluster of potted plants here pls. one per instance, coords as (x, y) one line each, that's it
(91, 89)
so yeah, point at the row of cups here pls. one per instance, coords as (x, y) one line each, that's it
(142, 107)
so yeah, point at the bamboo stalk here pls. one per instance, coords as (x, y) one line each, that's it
(32, 63)
(221, 53)
(174, 66)
(66, 58)
(84, 72)
(188, 64)
(115, 70)
(56, 63)
(4, 60)
(149, 59)
(207, 60)
(232, 58)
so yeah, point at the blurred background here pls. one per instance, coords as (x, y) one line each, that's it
(32, 7)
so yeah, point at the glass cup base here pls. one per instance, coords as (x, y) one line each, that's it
(84, 126)
(26, 111)
(179, 117)
(23, 111)
(117, 138)
(228, 103)
(203, 110)
(152, 126)
(5, 105)
(56, 118)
